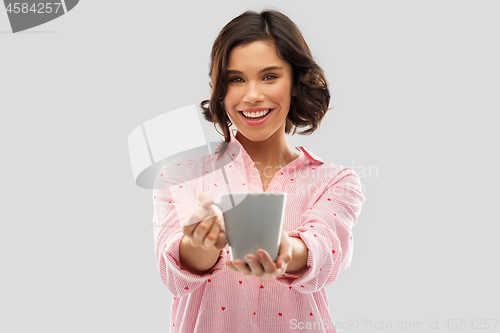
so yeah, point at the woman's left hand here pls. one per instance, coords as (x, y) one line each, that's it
(264, 267)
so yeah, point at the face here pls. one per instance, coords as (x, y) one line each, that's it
(258, 80)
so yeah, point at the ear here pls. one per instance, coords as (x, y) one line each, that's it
(294, 92)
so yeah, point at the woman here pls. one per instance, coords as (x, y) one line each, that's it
(265, 83)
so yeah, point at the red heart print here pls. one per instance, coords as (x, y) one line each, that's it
(232, 154)
(254, 313)
(312, 168)
(254, 166)
(170, 201)
(227, 252)
(280, 313)
(154, 196)
(186, 288)
(180, 186)
(290, 287)
(243, 184)
(215, 184)
(240, 282)
(312, 226)
(282, 173)
(261, 287)
(291, 179)
(329, 199)
(302, 286)
(333, 251)
(209, 280)
(320, 269)
(315, 235)
(206, 171)
(161, 175)
(230, 166)
(223, 308)
(178, 164)
(351, 237)
(334, 214)
(310, 313)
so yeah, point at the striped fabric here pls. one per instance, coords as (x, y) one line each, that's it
(323, 203)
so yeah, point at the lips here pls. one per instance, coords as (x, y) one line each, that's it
(258, 121)
(252, 113)
(255, 111)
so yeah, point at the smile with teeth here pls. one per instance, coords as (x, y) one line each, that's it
(256, 114)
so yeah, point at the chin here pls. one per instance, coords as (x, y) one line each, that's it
(256, 137)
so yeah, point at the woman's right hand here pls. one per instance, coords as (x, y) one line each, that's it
(202, 230)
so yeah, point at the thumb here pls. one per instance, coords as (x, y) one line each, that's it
(205, 199)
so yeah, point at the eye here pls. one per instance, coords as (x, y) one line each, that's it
(269, 77)
(236, 79)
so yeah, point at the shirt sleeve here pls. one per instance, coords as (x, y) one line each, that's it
(327, 233)
(173, 203)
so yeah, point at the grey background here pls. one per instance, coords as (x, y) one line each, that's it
(414, 94)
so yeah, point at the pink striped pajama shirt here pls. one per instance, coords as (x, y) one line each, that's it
(323, 203)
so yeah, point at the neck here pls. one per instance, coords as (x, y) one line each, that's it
(273, 152)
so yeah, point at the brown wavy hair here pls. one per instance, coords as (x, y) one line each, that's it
(310, 104)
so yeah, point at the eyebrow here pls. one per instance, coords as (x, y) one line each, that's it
(270, 68)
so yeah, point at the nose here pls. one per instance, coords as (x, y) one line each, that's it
(253, 94)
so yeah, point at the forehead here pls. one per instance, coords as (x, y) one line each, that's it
(254, 56)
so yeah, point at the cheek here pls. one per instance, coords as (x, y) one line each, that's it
(231, 98)
(281, 93)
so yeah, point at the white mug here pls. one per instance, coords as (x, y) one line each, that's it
(253, 221)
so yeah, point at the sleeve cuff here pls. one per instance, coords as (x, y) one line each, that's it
(294, 280)
(173, 256)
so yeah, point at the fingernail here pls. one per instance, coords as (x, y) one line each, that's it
(261, 255)
(250, 260)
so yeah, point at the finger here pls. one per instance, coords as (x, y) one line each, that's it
(220, 218)
(189, 225)
(283, 260)
(201, 231)
(285, 253)
(212, 236)
(199, 214)
(221, 242)
(266, 261)
(242, 267)
(254, 265)
(205, 199)
(230, 265)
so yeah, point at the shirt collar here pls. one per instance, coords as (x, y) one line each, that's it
(307, 154)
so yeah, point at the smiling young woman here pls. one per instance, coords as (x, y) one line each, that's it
(264, 82)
